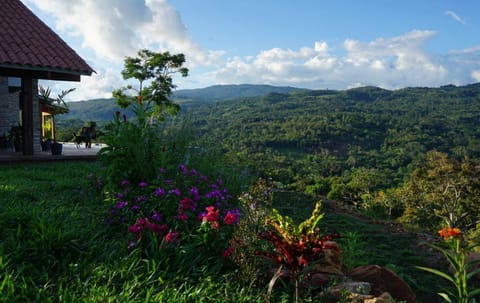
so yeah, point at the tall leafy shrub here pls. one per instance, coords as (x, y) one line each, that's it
(135, 148)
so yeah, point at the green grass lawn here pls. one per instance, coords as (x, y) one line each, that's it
(56, 246)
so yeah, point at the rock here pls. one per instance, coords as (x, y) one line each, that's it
(318, 279)
(362, 288)
(332, 262)
(384, 280)
(383, 298)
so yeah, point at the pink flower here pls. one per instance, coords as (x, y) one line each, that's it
(212, 214)
(172, 237)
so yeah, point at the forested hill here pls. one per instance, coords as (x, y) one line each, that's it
(226, 92)
(307, 139)
(101, 110)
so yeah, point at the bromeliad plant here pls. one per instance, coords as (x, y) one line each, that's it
(185, 210)
(456, 252)
(295, 246)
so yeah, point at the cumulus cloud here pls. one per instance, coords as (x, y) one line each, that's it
(455, 17)
(114, 29)
(388, 62)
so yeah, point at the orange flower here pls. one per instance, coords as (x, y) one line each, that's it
(448, 232)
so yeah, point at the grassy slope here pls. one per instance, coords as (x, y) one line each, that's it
(54, 243)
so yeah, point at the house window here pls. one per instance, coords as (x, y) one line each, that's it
(14, 84)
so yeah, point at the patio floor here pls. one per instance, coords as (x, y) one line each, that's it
(70, 152)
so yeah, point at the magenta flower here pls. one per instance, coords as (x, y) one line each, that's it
(182, 217)
(135, 229)
(172, 237)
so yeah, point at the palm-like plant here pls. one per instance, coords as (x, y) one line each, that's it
(58, 103)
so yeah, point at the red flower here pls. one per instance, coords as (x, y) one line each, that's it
(227, 252)
(230, 218)
(448, 232)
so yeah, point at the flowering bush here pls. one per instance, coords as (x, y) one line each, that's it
(183, 210)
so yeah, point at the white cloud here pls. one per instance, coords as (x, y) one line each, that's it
(476, 75)
(387, 62)
(455, 17)
(114, 29)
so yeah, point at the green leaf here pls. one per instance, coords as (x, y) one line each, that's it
(445, 297)
(474, 293)
(473, 273)
(438, 273)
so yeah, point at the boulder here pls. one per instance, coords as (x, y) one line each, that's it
(383, 298)
(383, 280)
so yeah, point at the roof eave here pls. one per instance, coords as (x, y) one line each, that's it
(13, 70)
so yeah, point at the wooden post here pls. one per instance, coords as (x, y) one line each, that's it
(27, 115)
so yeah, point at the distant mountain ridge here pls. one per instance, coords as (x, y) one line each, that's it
(217, 93)
(101, 110)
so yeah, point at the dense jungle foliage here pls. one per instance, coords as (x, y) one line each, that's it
(366, 146)
(360, 145)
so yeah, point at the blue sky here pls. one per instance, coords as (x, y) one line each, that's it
(316, 44)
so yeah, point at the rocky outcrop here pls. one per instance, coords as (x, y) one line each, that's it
(383, 280)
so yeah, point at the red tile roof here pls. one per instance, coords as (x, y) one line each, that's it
(28, 43)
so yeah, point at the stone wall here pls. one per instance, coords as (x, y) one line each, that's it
(10, 111)
(9, 108)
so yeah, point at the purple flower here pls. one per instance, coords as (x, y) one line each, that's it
(195, 193)
(135, 207)
(124, 183)
(159, 192)
(141, 199)
(183, 169)
(175, 192)
(156, 216)
(122, 204)
(142, 184)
